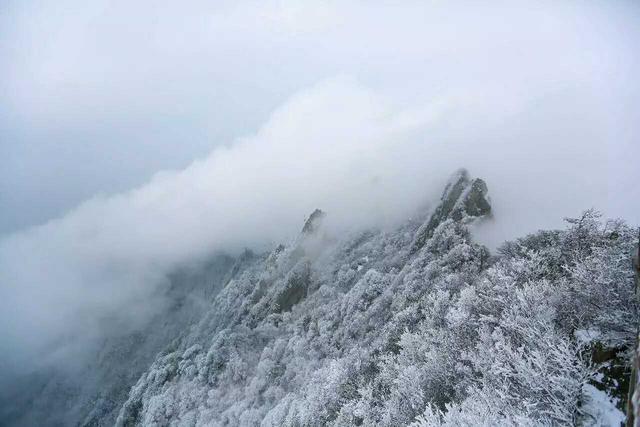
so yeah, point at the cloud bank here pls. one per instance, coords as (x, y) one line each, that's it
(98, 96)
(537, 103)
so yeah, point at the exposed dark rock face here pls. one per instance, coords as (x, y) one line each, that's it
(616, 370)
(476, 203)
(633, 398)
(313, 222)
(462, 198)
(295, 291)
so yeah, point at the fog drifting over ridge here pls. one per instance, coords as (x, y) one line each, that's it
(97, 96)
(547, 118)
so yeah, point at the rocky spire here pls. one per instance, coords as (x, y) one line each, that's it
(462, 198)
(313, 222)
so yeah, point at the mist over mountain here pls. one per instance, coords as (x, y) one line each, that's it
(415, 324)
(245, 213)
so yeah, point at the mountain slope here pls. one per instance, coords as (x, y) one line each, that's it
(414, 325)
(90, 390)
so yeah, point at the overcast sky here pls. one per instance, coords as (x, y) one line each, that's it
(99, 95)
(258, 112)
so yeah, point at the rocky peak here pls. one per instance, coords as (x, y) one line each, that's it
(463, 198)
(313, 222)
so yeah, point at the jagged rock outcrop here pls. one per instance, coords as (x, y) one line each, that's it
(295, 290)
(633, 403)
(462, 198)
(313, 222)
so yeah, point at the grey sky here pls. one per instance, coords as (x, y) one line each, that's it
(97, 96)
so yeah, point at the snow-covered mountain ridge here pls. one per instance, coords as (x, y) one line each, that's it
(419, 325)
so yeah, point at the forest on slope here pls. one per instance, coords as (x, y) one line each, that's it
(419, 325)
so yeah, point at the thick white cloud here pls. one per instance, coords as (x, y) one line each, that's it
(99, 95)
